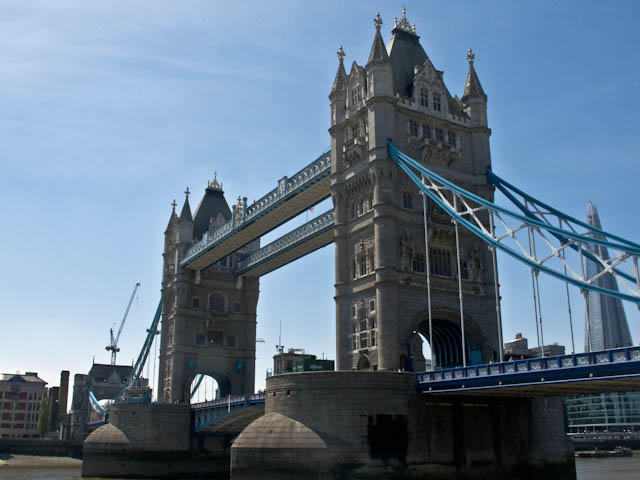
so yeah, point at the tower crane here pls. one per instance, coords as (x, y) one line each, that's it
(113, 346)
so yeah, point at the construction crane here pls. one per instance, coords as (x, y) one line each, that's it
(113, 346)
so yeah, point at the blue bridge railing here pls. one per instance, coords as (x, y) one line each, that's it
(578, 366)
(206, 413)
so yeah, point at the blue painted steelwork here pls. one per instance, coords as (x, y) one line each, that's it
(473, 204)
(95, 405)
(198, 382)
(295, 238)
(136, 370)
(616, 363)
(287, 189)
(206, 413)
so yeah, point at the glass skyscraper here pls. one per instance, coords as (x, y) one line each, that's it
(606, 328)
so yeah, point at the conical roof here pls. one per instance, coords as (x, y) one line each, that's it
(185, 214)
(340, 82)
(378, 50)
(472, 86)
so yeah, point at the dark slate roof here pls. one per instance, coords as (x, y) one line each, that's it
(378, 50)
(405, 51)
(186, 211)
(211, 204)
(103, 371)
(14, 377)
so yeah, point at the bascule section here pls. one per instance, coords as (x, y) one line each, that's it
(382, 256)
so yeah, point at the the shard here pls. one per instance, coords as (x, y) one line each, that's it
(607, 326)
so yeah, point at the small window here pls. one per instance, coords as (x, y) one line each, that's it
(372, 305)
(373, 344)
(216, 303)
(360, 207)
(407, 200)
(195, 302)
(236, 307)
(426, 131)
(363, 265)
(363, 325)
(440, 262)
(439, 134)
(418, 263)
(464, 266)
(424, 97)
(374, 323)
(363, 340)
(354, 266)
(413, 128)
(355, 130)
(452, 138)
(436, 101)
(354, 311)
(354, 341)
(200, 339)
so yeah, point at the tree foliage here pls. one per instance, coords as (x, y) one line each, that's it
(43, 416)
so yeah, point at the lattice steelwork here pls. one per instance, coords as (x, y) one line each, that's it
(533, 237)
(322, 224)
(287, 189)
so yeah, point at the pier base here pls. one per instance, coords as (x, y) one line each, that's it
(366, 425)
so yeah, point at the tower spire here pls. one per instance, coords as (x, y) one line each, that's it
(340, 81)
(185, 214)
(472, 87)
(378, 50)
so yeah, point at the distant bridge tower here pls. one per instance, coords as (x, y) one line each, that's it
(380, 253)
(208, 316)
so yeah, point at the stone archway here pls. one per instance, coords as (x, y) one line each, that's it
(205, 386)
(447, 338)
(363, 363)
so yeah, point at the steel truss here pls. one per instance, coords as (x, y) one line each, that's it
(554, 248)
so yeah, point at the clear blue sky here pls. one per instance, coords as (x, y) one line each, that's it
(109, 109)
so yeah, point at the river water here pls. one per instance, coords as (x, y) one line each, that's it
(618, 468)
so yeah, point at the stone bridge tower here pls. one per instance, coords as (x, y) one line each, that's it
(381, 300)
(208, 316)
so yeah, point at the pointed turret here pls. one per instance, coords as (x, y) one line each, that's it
(185, 214)
(378, 50)
(379, 69)
(472, 86)
(173, 217)
(474, 98)
(340, 82)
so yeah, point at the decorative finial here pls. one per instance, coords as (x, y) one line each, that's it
(187, 192)
(377, 21)
(214, 185)
(341, 53)
(471, 56)
(174, 205)
(404, 24)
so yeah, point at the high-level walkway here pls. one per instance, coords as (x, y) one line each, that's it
(291, 197)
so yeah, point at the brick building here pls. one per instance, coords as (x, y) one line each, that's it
(20, 397)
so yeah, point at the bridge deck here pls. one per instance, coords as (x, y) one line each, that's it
(293, 196)
(615, 370)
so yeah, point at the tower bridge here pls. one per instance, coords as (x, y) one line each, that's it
(410, 177)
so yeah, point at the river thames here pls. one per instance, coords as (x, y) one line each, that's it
(618, 468)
